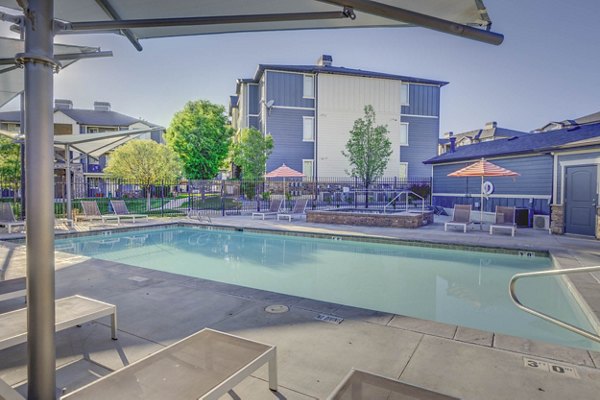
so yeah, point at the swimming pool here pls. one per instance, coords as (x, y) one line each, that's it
(467, 288)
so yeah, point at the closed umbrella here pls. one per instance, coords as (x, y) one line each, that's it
(482, 168)
(284, 172)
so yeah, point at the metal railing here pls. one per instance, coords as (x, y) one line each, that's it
(511, 289)
(407, 193)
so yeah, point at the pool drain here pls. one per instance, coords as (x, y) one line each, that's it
(277, 309)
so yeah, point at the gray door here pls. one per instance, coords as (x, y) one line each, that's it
(580, 199)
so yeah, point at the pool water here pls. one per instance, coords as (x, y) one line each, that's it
(466, 288)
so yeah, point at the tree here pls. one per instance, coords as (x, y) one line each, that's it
(368, 150)
(10, 164)
(201, 136)
(144, 162)
(250, 153)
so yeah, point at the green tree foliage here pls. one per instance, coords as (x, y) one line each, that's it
(201, 136)
(368, 150)
(10, 164)
(144, 162)
(251, 152)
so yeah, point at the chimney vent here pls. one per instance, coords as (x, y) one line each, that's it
(491, 125)
(101, 106)
(62, 104)
(452, 144)
(325, 61)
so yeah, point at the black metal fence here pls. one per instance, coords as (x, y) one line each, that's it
(223, 197)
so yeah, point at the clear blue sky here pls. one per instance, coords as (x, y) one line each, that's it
(548, 67)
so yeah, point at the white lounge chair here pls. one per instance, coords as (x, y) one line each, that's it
(205, 365)
(273, 209)
(120, 208)
(297, 211)
(70, 312)
(366, 385)
(505, 219)
(13, 288)
(460, 217)
(91, 212)
(7, 217)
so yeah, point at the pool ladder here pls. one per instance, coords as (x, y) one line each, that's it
(511, 289)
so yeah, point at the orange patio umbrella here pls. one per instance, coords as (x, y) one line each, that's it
(284, 172)
(482, 168)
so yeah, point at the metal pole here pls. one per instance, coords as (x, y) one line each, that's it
(39, 178)
(68, 182)
(22, 130)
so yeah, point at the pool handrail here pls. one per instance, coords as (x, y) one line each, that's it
(511, 290)
(407, 192)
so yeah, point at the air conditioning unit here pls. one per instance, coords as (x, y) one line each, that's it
(541, 222)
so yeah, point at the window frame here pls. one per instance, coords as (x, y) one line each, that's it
(312, 167)
(304, 119)
(405, 165)
(407, 134)
(304, 86)
(407, 91)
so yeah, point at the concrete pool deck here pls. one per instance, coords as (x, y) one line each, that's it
(157, 308)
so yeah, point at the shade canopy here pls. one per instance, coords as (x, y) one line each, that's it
(139, 19)
(11, 77)
(284, 172)
(483, 168)
(92, 144)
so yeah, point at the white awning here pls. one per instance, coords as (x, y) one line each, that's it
(198, 17)
(93, 144)
(11, 77)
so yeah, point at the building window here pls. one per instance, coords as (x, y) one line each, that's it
(309, 87)
(308, 129)
(404, 94)
(307, 169)
(403, 134)
(403, 171)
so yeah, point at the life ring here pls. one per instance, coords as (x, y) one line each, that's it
(487, 188)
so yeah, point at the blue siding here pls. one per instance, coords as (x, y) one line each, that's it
(287, 90)
(422, 145)
(537, 206)
(423, 100)
(253, 99)
(535, 179)
(286, 128)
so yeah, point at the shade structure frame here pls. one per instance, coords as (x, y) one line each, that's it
(39, 34)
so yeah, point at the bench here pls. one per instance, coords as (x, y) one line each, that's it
(70, 311)
(365, 385)
(205, 365)
(13, 288)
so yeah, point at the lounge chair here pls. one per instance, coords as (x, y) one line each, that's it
(120, 208)
(7, 218)
(505, 219)
(365, 385)
(273, 210)
(198, 215)
(297, 211)
(13, 288)
(205, 365)
(91, 212)
(460, 217)
(70, 312)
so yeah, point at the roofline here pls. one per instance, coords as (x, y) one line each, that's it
(316, 70)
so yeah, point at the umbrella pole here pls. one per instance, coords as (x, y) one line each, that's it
(481, 207)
